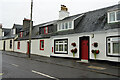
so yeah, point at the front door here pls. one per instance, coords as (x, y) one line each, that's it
(27, 47)
(4, 46)
(84, 49)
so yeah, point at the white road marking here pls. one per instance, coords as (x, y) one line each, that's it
(1, 74)
(14, 65)
(44, 74)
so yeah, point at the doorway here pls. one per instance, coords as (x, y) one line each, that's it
(84, 47)
(28, 48)
(4, 46)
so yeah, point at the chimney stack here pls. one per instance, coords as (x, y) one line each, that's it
(63, 12)
(26, 23)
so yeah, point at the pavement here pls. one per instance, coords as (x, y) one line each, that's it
(102, 68)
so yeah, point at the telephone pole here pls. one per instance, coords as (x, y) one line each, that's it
(30, 29)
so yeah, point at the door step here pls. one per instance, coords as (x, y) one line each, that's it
(83, 61)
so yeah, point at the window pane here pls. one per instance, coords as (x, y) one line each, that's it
(46, 30)
(115, 48)
(42, 44)
(61, 47)
(60, 41)
(70, 24)
(62, 25)
(66, 25)
(112, 16)
(56, 48)
(65, 41)
(59, 26)
(108, 47)
(118, 15)
(65, 47)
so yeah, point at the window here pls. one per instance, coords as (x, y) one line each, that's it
(114, 16)
(113, 46)
(118, 15)
(13, 31)
(21, 34)
(2, 33)
(10, 44)
(18, 46)
(70, 24)
(45, 30)
(41, 44)
(64, 26)
(61, 46)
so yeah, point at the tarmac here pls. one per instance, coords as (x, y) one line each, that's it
(92, 66)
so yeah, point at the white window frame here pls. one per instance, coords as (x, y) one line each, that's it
(63, 43)
(112, 40)
(14, 30)
(2, 33)
(115, 17)
(60, 26)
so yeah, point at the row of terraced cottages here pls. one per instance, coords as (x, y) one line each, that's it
(88, 36)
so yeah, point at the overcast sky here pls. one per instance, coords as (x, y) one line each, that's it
(14, 11)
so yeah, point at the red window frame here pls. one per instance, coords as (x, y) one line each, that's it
(45, 30)
(18, 46)
(21, 34)
(40, 45)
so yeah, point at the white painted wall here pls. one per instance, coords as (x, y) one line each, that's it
(71, 39)
(7, 45)
(99, 37)
(1, 44)
(35, 47)
(63, 14)
(23, 46)
(0, 32)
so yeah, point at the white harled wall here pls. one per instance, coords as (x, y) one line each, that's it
(7, 45)
(71, 39)
(1, 44)
(35, 47)
(23, 46)
(99, 37)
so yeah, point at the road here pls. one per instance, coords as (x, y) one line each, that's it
(15, 67)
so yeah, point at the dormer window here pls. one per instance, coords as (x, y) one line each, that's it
(2, 33)
(13, 31)
(113, 16)
(65, 26)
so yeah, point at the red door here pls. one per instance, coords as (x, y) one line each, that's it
(84, 49)
(27, 47)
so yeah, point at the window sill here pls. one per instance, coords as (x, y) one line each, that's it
(111, 55)
(112, 22)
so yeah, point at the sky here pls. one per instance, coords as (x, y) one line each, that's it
(14, 11)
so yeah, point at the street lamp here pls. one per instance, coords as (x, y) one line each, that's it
(30, 29)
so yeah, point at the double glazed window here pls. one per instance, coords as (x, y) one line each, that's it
(61, 46)
(113, 16)
(65, 26)
(113, 46)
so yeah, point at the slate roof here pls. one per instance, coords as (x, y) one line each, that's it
(91, 21)
(18, 26)
(47, 23)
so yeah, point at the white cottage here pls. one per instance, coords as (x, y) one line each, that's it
(89, 36)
